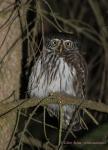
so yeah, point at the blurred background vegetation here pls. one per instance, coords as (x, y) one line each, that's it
(88, 19)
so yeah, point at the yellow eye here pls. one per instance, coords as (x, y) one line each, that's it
(68, 44)
(54, 42)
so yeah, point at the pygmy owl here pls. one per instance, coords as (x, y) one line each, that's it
(60, 68)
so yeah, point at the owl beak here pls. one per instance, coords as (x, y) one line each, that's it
(61, 48)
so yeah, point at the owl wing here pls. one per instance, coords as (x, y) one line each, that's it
(81, 76)
(77, 61)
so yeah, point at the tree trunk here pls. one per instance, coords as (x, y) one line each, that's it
(10, 65)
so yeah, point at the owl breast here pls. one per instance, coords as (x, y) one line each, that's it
(60, 79)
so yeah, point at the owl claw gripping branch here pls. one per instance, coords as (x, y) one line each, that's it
(60, 68)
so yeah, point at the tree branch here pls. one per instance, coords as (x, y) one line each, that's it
(55, 98)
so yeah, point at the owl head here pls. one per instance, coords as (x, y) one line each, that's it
(60, 43)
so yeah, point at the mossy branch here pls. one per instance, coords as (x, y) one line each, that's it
(55, 98)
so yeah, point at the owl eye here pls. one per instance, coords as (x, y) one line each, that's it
(54, 42)
(68, 44)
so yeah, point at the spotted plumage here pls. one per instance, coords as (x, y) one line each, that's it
(60, 68)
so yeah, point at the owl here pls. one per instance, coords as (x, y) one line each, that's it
(60, 68)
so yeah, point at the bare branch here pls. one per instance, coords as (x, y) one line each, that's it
(54, 98)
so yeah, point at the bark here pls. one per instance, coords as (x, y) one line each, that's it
(10, 65)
